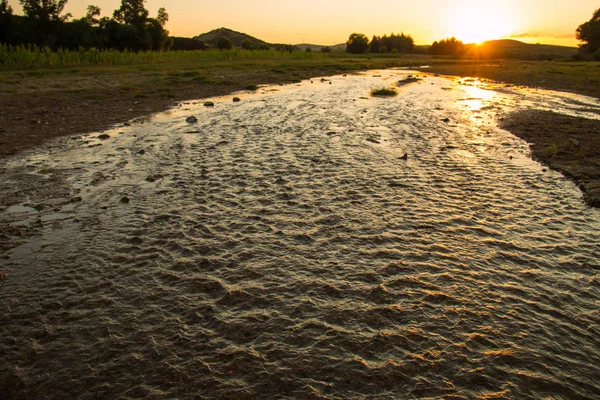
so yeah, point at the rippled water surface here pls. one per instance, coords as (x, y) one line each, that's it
(281, 248)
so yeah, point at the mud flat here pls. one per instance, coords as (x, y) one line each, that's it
(282, 246)
(565, 143)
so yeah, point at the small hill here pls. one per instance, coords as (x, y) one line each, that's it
(508, 48)
(212, 37)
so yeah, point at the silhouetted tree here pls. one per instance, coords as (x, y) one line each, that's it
(159, 37)
(401, 43)
(45, 10)
(357, 43)
(447, 47)
(92, 13)
(325, 49)
(131, 12)
(5, 9)
(44, 21)
(76, 34)
(6, 12)
(589, 32)
(382, 49)
(375, 44)
(162, 17)
(224, 44)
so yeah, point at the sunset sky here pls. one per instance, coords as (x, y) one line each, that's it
(330, 22)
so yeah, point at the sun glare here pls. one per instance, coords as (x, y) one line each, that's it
(480, 23)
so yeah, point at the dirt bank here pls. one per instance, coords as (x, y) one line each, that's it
(567, 144)
(43, 109)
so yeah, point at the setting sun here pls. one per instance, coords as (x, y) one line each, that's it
(480, 23)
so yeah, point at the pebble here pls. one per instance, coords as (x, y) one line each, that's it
(209, 104)
(104, 136)
(154, 178)
(191, 120)
(125, 200)
(236, 99)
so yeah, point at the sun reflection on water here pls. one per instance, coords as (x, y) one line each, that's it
(476, 96)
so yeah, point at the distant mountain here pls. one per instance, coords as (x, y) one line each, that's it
(508, 48)
(236, 38)
(212, 38)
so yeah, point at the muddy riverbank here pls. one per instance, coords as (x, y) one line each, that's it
(565, 143)
(43, 104)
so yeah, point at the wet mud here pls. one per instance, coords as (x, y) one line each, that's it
(282, 247)
(567, 144)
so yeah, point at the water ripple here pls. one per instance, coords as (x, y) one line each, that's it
(282, 248)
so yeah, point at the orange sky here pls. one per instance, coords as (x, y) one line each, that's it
(331, 21)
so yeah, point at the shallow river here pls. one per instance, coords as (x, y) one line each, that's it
(280, 247)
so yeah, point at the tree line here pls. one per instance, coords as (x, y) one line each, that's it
(45, 24)
(358, 43)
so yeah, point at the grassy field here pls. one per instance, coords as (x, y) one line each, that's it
(32, 57)
(161, 74)
(165, 69)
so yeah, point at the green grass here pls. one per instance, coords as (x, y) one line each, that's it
(384, 91)
(35, 57)
(252, 87)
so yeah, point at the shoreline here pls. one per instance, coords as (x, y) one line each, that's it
(40, 109)
(41, 105)
(569, 145)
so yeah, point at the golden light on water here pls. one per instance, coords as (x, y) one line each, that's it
(477, 97)
(478, 23)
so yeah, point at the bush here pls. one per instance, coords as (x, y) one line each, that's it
(246, 44)
(383, 49)
(224, 44)
(384, 92)
(577, 57)
(596, 56)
